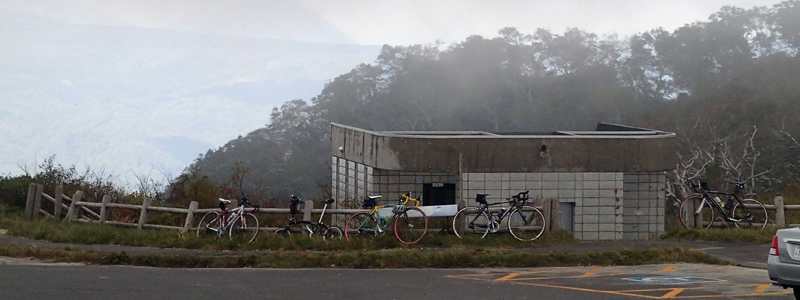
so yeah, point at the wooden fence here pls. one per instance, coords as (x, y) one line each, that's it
(84, 211)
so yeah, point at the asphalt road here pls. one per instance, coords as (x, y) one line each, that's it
(23, 279)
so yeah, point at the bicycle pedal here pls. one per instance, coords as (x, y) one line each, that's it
(732, 219)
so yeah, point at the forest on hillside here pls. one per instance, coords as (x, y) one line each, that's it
(729, 87)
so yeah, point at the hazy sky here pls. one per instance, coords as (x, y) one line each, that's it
(394, 22)
(131, 127)
(421, 21)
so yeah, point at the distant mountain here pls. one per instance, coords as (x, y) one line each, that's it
(136, 99)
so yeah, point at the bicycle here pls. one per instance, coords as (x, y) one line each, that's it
(310, 228)
(744, 213)
(410, 223)
(525, 222)
(238, 224)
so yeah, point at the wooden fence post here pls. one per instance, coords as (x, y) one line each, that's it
(698, 218)
(190, 216)
(37, 201)
(72, 212)
(29, 202)
(309, 205)
(143, 214)
(780, 213)
(547, 212)
(57, 205)
(104, 209)
(555, 216)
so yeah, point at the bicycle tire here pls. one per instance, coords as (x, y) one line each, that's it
(283, 231)
(361, 225)
(244, 229)
(475, 222)
(758, 215)
(411, 225)
(526, 223)
(209, 225)
(332, 233)
(707, 213)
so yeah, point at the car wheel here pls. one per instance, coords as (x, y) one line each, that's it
(796, 292)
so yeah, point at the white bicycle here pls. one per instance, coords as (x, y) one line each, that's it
(237, 224)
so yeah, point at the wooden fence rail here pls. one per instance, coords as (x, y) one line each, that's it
(78, 210)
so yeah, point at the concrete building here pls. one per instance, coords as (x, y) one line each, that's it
(609, 182)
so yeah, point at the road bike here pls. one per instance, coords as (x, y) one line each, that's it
(237, 224)
(309, 228)
(525, 222)
(702, 209)
(409, 222)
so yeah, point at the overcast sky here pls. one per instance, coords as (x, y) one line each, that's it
(421, 21)
(398, 22)
(140, 133)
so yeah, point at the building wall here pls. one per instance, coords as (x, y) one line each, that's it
(645, 198)
(607, 205)
(391, 184)
(651, 151)
(350, 181)
(597, 196)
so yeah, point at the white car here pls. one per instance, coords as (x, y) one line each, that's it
(784, 259)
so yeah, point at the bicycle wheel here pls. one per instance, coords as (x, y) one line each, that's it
(209, 225)
(752, 215)
(361, 225)
(283, 231)
(411, 225)
(244, 229)
(332, 233)
(471, 221)
(526, 223)
(688, 209)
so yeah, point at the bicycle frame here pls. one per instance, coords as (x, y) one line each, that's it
(495, 218)
(383, 222)
(318, 227)
(229, 217)
(706, 198)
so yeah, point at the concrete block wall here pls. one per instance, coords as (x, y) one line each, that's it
(597, 196)
(391, 184)
(350, 180)
(643, 217)
(607, 205)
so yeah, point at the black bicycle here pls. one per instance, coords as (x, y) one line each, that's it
(309, 228)
(525, 222)
(700, 210)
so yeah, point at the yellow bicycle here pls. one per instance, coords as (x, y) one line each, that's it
(410, 223)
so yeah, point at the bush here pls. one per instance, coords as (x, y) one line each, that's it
(14, 191)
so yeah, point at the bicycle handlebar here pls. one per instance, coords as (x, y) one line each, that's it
(406, 197)
(703, 186)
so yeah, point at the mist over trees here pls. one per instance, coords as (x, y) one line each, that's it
(729, 87)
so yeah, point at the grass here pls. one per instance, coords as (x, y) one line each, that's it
(90, 233)
(736, 235)
(397, 258)
(436, 250)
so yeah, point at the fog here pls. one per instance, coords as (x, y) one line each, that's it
(141, 86)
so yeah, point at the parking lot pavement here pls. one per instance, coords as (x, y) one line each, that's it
(669, 281)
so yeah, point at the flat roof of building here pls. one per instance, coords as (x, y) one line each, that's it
(603, 130)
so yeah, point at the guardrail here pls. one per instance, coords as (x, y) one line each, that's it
(82, 211)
